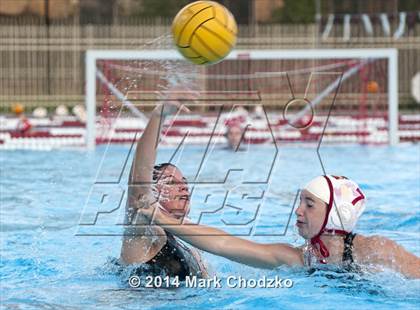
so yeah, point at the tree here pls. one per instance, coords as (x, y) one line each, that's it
(162, 8)
(302, 11)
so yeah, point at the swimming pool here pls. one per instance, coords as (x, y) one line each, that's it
(45, 195)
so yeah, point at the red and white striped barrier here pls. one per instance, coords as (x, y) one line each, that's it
(68, 132)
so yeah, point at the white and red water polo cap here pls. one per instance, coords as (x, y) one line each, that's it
(345, 203)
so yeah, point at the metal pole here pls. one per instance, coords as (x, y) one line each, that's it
(90, 99)
(47, 24)
(394, 138)
(318, 19)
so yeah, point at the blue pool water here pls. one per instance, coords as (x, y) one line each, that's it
(49, 261)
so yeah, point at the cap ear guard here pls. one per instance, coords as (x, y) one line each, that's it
(342, 217)
(348, 204)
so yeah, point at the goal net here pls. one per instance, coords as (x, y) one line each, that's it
(337, 95)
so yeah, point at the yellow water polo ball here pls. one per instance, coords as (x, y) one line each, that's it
(204, 32)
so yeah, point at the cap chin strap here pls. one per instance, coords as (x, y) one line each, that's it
(322, 248)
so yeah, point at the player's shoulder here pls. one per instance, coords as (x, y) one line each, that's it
(376, 241)
(370, 249)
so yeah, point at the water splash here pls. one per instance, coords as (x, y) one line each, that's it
(137, 75)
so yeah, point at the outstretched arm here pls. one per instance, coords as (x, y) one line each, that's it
(144, 159)
(138, 245)
(220, 243)
(145, 156)
(140, 178)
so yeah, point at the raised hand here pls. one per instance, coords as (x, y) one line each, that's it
(171, 101)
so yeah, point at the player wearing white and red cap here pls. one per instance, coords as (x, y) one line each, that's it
(345, 203)
(326, 216)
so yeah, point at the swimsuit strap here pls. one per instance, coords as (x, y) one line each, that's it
(174, 253)
(348, 248)
(171, 259)
(186, 254)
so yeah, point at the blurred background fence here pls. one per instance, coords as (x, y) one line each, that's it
(42, 63)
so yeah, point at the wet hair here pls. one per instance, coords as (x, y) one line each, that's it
(161, 167)
(158, 168)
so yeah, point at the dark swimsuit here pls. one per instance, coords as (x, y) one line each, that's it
(174, 259)
(348, 248)
(348, 261)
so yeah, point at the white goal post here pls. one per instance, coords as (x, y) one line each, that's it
(391, 55)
